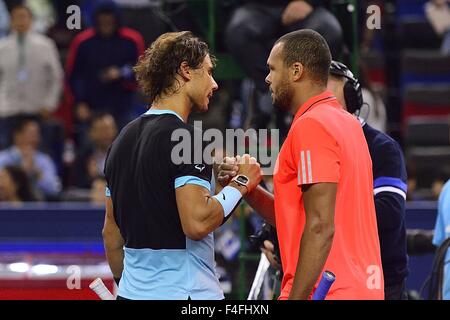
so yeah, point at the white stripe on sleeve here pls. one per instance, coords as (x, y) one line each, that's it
(308, 157)
(303, 166)
(390, 189)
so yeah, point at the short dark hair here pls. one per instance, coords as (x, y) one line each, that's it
(97, 116)
(21, 123)
(310, 49)
(157, 68)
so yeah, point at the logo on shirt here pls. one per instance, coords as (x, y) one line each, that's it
(200, 167)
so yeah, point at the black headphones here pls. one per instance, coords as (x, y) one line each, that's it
(352, 88)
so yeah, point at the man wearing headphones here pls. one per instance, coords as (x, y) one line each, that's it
(389, 174)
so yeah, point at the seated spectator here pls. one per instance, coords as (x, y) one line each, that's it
(90, 160)
(254, 27)
(31, 74)
(39, 166)
(152, 18)
(99, 68)
(438, 14)
(14, 185)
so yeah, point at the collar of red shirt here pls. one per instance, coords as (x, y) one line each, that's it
(313, 101)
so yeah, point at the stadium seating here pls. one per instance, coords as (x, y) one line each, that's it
(426, 67)
(425, 131)
(428, 146)
(417, 33)
(425, 99)
(410, 8)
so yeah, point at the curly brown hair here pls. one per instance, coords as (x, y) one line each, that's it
(157, 68)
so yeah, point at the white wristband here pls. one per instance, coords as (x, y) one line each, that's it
(228, 198)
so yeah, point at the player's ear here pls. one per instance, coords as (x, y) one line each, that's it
(185, 71)
(297, 71)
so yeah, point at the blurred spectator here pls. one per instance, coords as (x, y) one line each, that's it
(39, 166)
(144, 16)
(14, 185)
(438, 183)
(154, 17)
(31, 74)
(91, 157)
(438, 14)
(4, 19)
(254, 27)
(428, 187)
(99, 68)
(412, 182)
(98, 187)
(442, 232)
(377, 117)
(257, 24)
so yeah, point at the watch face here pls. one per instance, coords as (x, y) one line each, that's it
(242, 179)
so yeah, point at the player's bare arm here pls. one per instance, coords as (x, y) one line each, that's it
(315, 245)
(113, 241)
(262, 201)
(201, 213)
(259, 199)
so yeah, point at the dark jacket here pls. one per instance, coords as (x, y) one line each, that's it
(390, 187)
(90, 54)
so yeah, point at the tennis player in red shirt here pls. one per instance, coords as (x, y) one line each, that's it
(323, 194)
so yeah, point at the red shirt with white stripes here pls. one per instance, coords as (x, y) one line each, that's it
(326, 144)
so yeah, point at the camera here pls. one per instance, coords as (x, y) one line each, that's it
(267, 232)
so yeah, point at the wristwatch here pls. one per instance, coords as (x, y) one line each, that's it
(241, 180)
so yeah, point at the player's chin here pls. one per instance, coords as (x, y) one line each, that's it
(280, 105)
(274, 101)
(205, 105)
(201, 108)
